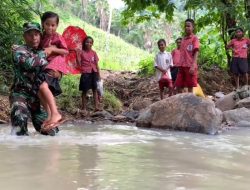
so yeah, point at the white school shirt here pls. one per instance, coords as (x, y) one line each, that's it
(164, 61)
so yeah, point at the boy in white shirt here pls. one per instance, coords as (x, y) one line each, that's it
(163, 62)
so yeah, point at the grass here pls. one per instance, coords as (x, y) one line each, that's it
(70, 100)
(114, 53)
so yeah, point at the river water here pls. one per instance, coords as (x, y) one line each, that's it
(110, 157)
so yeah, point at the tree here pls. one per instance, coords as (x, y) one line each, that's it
(13, 13)
(144, 10)
(224, 15)
(102, 8)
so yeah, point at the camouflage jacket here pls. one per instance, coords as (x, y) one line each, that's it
(28, 63)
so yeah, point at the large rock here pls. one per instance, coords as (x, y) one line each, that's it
(226, 103)
(236, 116)
(243, 103)
(185, 112)
(141, 104)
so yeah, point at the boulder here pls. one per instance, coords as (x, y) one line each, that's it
(119, 118)
(219, 95)
(141, 104)
(226, 103)
(243, 103)
(185, 112)
(234, 117)
(102, 114)
(243, 124)
(131, 114)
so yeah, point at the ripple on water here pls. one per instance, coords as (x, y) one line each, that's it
(88, 135)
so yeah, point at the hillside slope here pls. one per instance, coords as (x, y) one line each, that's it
(114, 52)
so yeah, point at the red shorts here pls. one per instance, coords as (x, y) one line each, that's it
(185, 79)
(165, 82)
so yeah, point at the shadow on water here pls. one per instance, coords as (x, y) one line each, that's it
(109, 157)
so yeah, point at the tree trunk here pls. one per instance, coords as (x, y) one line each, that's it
(228, 26)
(247, 8)
(110, 19)
(109, 26)
(230, 19)
(84, 9)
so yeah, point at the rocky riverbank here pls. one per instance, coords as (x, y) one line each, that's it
(135, 93)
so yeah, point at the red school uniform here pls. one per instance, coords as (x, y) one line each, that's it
(56, 62)
(240, 47)
(89, 61)
(176, 55)
(189, 45)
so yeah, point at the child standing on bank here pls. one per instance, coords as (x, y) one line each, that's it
(47, 83)
(163, 62)
(239, 65)
(188, 68)
(176, 54)
(88, 61)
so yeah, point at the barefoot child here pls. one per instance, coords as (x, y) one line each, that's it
(188, 68)
(239, 65)
(163, 62)
(47, 83)
(88, 61)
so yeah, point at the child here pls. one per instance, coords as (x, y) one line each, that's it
(47, 83)
(163, 62)
(176, 59)
(88, 61)
(239, 65)
(188, 68)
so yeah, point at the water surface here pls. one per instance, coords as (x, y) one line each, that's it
(109, 157)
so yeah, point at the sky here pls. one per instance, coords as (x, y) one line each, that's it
(116, 3)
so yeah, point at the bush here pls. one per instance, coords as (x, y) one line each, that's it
(13, 14)
(70, 100)
(111, 102)
(212, 51)
(146, 66)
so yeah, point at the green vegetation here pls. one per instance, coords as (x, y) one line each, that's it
(111, 102)
(114, 53)
(215, 20)
(146, 22)
(12, 15)
(70, 100)
(147, 66)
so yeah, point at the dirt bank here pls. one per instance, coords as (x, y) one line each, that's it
(137, 93)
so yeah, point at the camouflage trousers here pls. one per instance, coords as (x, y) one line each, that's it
(23, 107)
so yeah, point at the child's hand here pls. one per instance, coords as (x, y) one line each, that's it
(99, 76)
(55, 74)
(14, 47)
(49, 50)
(192, 70)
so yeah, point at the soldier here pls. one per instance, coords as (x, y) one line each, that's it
(28, 61)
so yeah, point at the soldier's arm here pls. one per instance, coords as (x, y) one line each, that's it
(29, 60)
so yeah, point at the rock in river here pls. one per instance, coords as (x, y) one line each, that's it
(185, 112)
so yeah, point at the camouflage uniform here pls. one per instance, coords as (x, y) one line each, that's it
(24, 103)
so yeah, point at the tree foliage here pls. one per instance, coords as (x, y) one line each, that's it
(13, 13)
(138, 10)
(222, 16)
